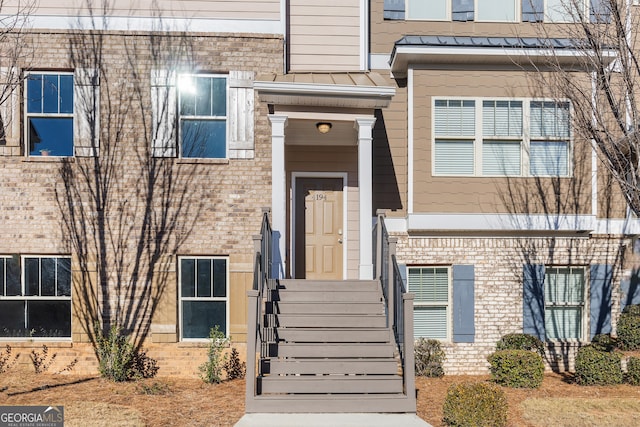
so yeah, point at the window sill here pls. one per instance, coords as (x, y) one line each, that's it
(184, 160)
(48, 159)
(193, 344)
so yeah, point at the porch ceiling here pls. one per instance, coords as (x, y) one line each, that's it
(333, 90)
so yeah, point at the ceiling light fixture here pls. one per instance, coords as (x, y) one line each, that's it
(323, 127)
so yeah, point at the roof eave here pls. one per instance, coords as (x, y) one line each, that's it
(403, 56)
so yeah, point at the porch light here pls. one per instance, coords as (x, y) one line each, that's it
(323, 127)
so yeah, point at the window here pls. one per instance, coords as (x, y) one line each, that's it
(564, 295)
(49, 114)
(38, 304)
(430, 285)
(487, 137)
(454, 131)
(500, 11)
(549, 151)
(203, 116)
(203, 296)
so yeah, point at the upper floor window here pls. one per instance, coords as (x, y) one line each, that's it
(49, 114)
(203, 116)
(500, 137)
(35, 300)
(506, 11)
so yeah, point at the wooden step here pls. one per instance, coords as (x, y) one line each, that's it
(386, 366)
(329, 320)
(327, 403)
(328, 285)
(334, 335)
(319, 296)
(323, 350)
(312, 307)
(334, 384)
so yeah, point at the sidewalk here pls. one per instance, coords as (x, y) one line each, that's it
(333, 420)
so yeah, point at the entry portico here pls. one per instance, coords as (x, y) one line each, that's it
(301, 154)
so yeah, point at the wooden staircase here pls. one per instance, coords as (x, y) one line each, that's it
(327, 348)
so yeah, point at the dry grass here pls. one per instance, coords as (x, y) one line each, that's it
(190, 402)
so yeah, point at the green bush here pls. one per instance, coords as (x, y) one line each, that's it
(475, 404)
(604, 342)
(632, 376)
(521, 342)
(429, 357)
(596, 367)
(629, 328)
(234, 367)
(517, 368)
(632, 309)
(211, 370)
(118, 360)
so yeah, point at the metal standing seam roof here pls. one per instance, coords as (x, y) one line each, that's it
(490, 42)
(366, 79)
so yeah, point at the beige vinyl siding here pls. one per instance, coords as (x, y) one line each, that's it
(324, 37)
(385, 33)
(452, 194)
(390, 157)
(305, 158)
(230, 9)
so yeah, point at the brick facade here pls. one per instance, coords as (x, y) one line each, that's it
(498, 265)
(221, 199)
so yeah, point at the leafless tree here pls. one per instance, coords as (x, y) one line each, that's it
(126, 211)
(603, 88)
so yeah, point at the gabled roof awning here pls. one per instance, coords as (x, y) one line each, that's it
(490, 50)
(348, 90)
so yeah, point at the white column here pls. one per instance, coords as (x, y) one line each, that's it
(278, 195)
(364, 126)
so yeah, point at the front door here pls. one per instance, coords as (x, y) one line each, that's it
(319, 229)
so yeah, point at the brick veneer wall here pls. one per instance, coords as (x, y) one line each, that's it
(228, 195)
(498, 266)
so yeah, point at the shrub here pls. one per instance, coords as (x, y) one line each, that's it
(429, 357)
(211, 370)
(475, 404)
(632, 309)
(118, 360)
(629, 328)
(7, 360)
(632, 376)
(233, 367)
(517, 368)
(42, 361)
(596, 367)
(521, 342)
(604, 342)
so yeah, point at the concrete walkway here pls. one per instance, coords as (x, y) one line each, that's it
(333, 420)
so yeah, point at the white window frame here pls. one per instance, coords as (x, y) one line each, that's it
(24, 297)
(448, 305)
(449, 14)
(584, 306)
(28, 116)
(479, 137)
(196, 298)
(181, 117)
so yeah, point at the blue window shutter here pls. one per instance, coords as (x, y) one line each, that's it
(394, 9)
(462, 10)
(464, 329)
(600, 300)
(532, 10)
(630, 290)
(533, 300)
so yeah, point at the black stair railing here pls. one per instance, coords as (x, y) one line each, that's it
(397, 301)
(257, 341)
